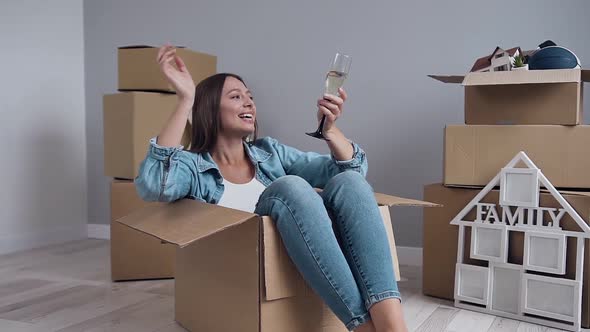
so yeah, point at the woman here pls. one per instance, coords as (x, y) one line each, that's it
(348, 263)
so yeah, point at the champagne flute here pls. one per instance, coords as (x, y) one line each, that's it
(334, 79)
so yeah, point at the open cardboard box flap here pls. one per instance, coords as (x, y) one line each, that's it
(129, 47)
(448, 78)
(184, 221)
(517, 77)
(581, 192)
(281, 278)
(388, 200)
(139, 46)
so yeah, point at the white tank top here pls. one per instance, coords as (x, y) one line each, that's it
(241, 196)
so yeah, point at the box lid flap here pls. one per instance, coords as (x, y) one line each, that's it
(184, 221)
(448, 78)
(523, 77)
(388, 200)
(584, 193)
(134, 46)
(517, 77)
(142, 46)
(281, 277)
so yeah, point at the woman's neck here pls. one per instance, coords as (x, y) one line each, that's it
(228, 151)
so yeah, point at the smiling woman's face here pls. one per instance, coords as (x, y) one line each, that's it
(237, 111)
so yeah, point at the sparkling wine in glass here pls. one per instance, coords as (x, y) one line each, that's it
(334, 80)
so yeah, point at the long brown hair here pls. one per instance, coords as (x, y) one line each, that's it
(206, 120)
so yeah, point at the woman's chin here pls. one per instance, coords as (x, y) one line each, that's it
(249, 131)
(245, 132)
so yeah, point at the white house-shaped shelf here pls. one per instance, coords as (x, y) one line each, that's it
(538, 290)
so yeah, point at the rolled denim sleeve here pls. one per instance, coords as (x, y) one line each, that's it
(358, 162)
(317, 168)
(165, 174)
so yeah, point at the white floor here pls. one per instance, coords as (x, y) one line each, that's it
(67, 288)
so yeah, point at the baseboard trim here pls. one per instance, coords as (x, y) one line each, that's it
(411, 256)
(99, 231)
(10, 243)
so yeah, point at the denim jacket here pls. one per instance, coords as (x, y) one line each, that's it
(171, 173)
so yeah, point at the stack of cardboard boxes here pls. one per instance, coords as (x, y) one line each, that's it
(131, 118)
(538, 112)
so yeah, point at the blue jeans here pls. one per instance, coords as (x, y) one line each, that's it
(345, 259)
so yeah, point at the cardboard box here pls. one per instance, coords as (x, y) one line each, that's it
(541, 97)
(139, 69)
(440, 239)
(135, 255)
(233, 273)
(474, 154)
(130, 120)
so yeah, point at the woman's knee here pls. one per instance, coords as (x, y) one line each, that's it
(350, 179)
(291, 195)
(290, 185)
(348, 188)
(291, 190)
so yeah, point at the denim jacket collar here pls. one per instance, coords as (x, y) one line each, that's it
(257, 154)
(205, 162)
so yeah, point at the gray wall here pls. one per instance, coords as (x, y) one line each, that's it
(43, 163)
(283, 48)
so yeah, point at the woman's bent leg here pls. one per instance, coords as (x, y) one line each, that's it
(306, 231)
(359, 225)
